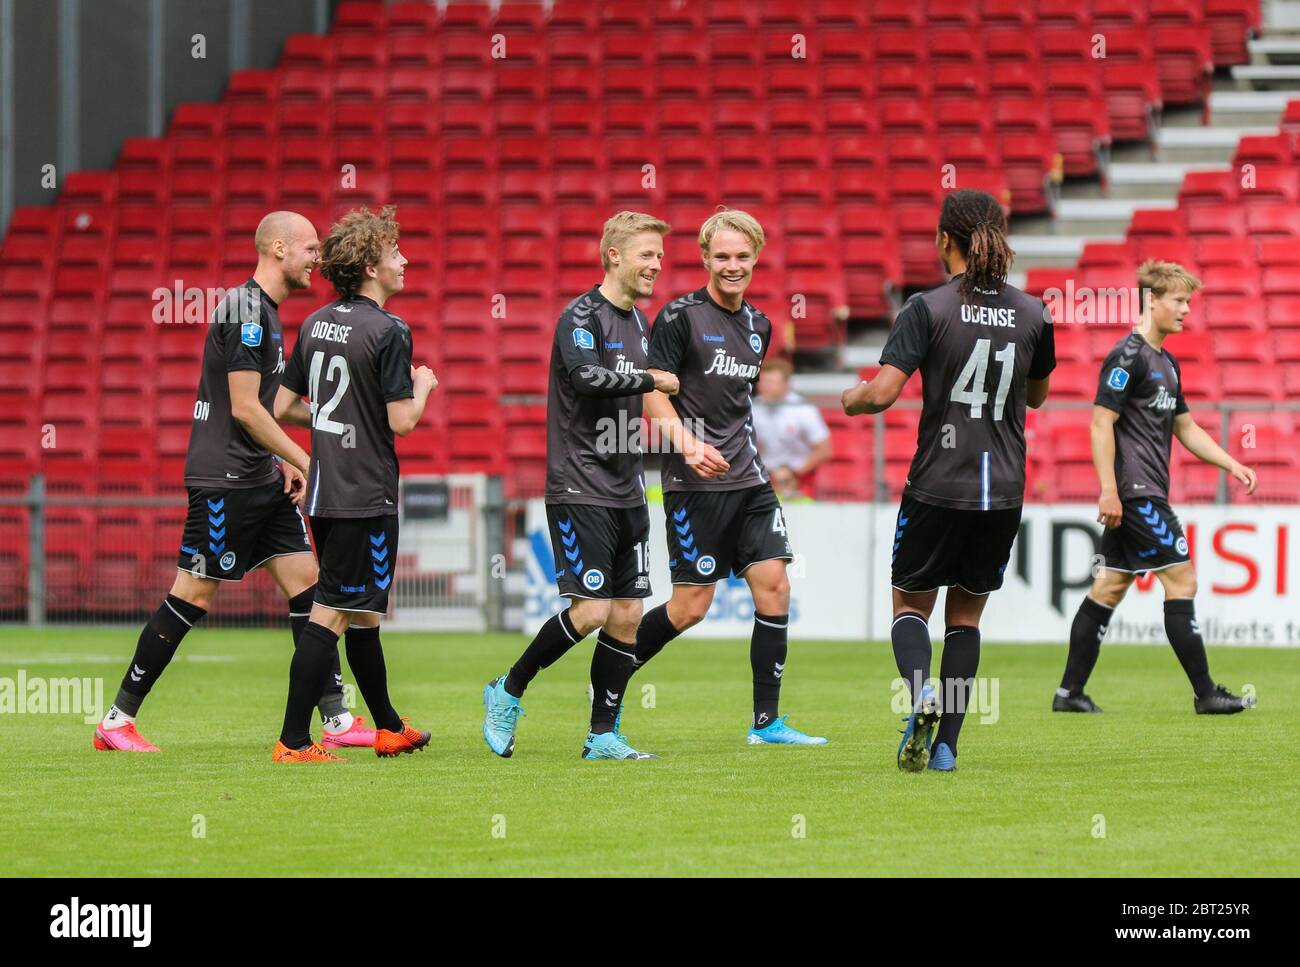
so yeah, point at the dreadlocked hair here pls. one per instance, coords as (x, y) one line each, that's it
(976, 223)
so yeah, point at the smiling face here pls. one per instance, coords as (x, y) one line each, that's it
(390, 273)
(636, 266)
(730, 261)
(298, 253)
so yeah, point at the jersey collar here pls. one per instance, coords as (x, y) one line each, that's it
(600, 296)
(737, 314)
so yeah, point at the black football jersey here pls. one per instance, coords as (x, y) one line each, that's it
(975, 359)
(243, 334)
(351, 360)
(1145, 387)
(593, 442)
(716, 355)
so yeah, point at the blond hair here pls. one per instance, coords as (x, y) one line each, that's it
(736, 220)
(1161, 278)
(623, 227)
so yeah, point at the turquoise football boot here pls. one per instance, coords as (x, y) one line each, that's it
(502, 711)
(778, 733)
(611, 745)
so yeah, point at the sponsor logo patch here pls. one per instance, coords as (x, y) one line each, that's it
(1118, 378)
(250, 334)
(583, 339)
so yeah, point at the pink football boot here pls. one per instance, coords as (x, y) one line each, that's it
(357, 736)
(122, 739)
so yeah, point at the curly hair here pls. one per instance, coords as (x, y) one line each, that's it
(976, 222)
(355, 242)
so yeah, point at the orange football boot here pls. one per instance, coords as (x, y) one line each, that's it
(410, 739)
(313, 753)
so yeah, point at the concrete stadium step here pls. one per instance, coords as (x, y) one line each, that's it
(1230, 109)
(1098, 218)
(1155, 180)
(1274, 50)
(1206, 145)
(1050, 251)
(1251, 77)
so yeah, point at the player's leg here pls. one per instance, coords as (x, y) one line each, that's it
(189, 599)
(393, 734)
(1184, 633)
(1086, 632)
(213, 548)
(583, 539)
(760, 554)
(957, 667)
(921, 562)
(980, 550)
(695, 525)
(612, 664)
(284, 549)
(297, 574)
(357, 556)
(614, 658)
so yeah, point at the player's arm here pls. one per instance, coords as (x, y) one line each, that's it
(404, 415)
(1041, 366)
(875, 395)
(905, 350)
(290, 408)
(247, 409)
(406, 387)
(1036, 392)
(1109, 509)
(588, 375)
(1202, 446)
(703, 458)
(668, 341)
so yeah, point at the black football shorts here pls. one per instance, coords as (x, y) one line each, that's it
(358, 557)
(600, 552)
(715, 533)
(230, 532)
(939, 547)
(1148, 538)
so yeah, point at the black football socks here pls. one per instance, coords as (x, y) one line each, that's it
(331, 702)
(767, 653)
(157, 644)
(366, 659)
(655, 631)
(957, 668)
(911, 639)
(1086, 632)
(315, 652)
(612, 664)
(1185, 635)
(554, 638)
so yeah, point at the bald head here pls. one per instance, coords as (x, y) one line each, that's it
(287, 250)
(280, 227)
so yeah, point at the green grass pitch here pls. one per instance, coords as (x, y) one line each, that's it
(1176, 793)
